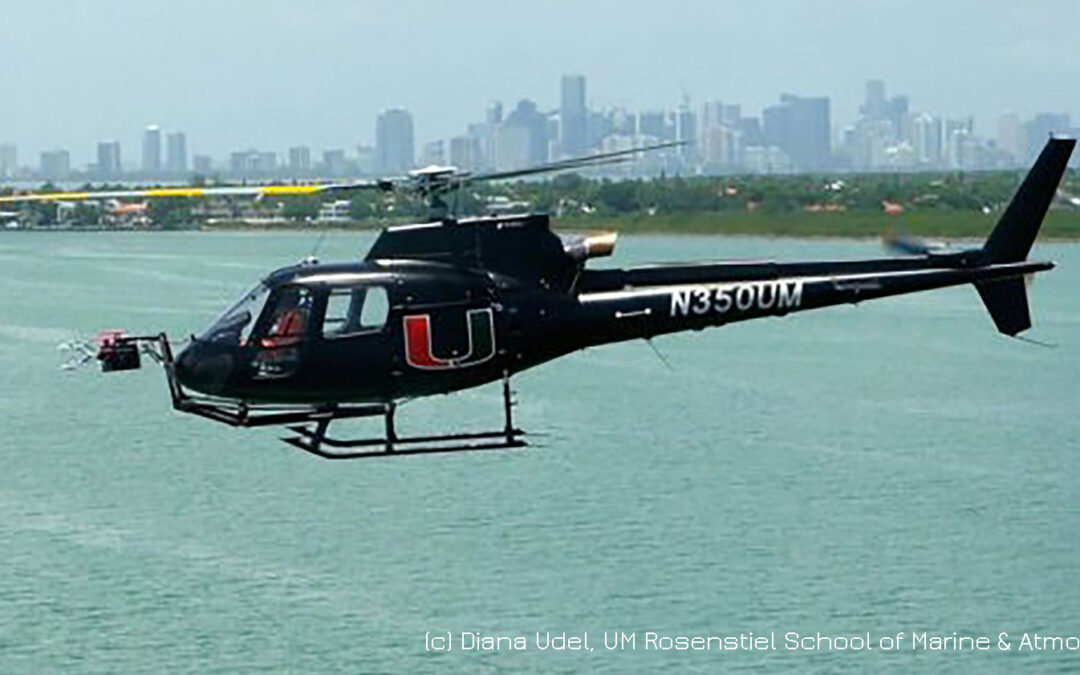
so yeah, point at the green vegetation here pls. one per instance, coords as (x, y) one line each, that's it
(923, 204)
(951, 224)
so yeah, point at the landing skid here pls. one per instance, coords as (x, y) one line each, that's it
(122, 353)
(315, 440)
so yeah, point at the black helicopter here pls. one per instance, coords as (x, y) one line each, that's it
(449, 304)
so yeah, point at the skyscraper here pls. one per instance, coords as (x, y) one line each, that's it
(1041, 126)
(573, 117)
(203, 165)
(874, 107)
(800, 127)
(394, 152)
(176, 156)
(243, 162)
(894, 110)
(686, 131)
(9, 160)
(652, 124)
(465, 152)
(434, 152)
(108, 159)
(151, 150)
(494, 113)
(334, 162)
(927, 140)
(712, 115)
(56, 164)
(524, 138)
(299, 159)
(1010, 136)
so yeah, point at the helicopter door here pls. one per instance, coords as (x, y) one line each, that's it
(451, 326)
(354, 355)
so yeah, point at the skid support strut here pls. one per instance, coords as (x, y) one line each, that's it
(316, 442)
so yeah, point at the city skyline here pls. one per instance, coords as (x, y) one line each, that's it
(794, 133)
(260, 74)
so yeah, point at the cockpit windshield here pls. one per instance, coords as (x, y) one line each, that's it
(235, 326)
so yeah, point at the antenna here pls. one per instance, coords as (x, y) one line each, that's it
(1033, 341)
(318, 244)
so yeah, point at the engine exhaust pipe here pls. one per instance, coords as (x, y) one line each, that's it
(598, 245)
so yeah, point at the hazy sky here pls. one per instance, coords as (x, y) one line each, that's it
(267, 73)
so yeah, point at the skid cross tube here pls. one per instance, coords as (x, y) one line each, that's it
(314, 440)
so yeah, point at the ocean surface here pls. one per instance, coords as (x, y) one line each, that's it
(892, 467)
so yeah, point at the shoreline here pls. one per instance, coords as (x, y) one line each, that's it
(1059, 225)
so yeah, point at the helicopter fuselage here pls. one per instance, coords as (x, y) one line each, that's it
(444, 306)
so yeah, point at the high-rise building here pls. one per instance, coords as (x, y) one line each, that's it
(434, 153)
(9, 160)
(721, 148)
(573, 116)
(956, 138)
(252, 163)
(800, 127)
(56, 164)
(300, 159)
(151, 150)
(365, 160)
(394, 151)
(465, 152)
(494, 113)
(334, 163)
(750, 130)
(926, 131)
(598, 125)
(1010, 136)
(1040, 128)
(176, 154)
(108, 159)
(712, 115)
(266, 162)
(202, 165)
(652, 124)
(686, 132)
(895, 110)
(524, 138)
(721, 140)
(874, 106)
(243, 162)
(624, 122)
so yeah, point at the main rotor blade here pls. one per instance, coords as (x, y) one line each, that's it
(573, 163)
(166, 192)
(908, 245)
(384, 184)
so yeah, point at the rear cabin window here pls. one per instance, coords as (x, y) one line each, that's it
(355, 310)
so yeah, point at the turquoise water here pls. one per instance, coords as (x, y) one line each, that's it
(896, 466)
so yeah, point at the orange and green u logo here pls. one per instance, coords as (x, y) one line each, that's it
(418, 345)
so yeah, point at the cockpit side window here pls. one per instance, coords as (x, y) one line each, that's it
(354, 310)
(281, 332)
(288, 321)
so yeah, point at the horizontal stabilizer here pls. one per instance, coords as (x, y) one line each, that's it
(1006, 300)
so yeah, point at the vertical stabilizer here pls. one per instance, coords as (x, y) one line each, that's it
(1015, 232)
(1012, 237)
